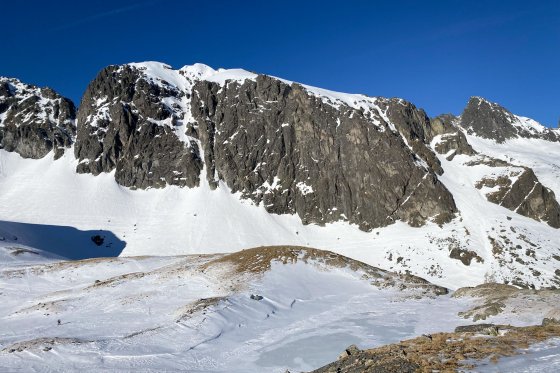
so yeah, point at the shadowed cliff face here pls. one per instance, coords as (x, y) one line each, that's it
(279, 145)
(34, 121)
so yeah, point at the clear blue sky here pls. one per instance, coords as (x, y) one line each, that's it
(434, 53)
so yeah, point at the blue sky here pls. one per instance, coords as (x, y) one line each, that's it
(434, 53)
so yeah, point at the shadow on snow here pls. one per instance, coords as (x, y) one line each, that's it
(64, 241)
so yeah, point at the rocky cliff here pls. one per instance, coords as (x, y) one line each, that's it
(292, 148)
(275, 142)
(34, 121)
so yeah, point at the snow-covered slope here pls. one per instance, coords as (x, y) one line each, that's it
(247, 312)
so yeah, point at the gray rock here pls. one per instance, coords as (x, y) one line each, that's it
(349, 351)
(550, 321)
(275, 143)
(34, 121)
(492, 121)
(452, 137)
(487, 329)
(118, 130)
(525, 196)
(281, 146)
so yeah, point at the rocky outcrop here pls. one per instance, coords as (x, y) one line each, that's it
(34, 121)
(415, 126)
(452, 141)
(274, 142)
(492, 121)
(524, 194)
(129, 123)
(296, 153)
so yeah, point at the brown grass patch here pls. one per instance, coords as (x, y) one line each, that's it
(259, 260)
(444, 352)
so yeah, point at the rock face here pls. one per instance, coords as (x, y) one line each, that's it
(128, 123)
(281, 145)
(34, 121)
(518, 189)
(274, 142)
(453, 141)
(492, 121)
(415, 127)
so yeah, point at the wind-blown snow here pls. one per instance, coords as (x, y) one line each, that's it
(133, 313)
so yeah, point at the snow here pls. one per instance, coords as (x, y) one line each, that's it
(132, 315)
(484, 220)
(50, 192)
(540, 357)
(185, 78)
(540, 155)
(175, 221)
(304, 189)
(528, 124)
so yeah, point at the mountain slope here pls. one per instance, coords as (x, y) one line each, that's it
(252, 310)
(198, 160)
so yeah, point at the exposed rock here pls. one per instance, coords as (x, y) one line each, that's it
(44, 344)
(488, 329)
(492, 121)
(454, 144)
(492, 299)
(550, 321)
(34, 121)
(444, 352)
(275, 143)
(125, 122)
(465, 256)
(363, 361)
(525, 195)
(256, 297)
(351, 350)
(415, 126)
(98, 240)
(282, 146)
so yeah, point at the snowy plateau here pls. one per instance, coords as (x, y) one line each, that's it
(194, 270)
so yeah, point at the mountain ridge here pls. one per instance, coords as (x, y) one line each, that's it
(312, 164)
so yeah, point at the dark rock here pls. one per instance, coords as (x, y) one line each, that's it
(98, 240)
(487, 329)
(369, 362)
(465, 256)
(256, 297)
(528, 197)
(281, 146)
(550, 321)
(119, 130)
(275, 143)
(454, 141)
(349, 351)
(415, 126)
(492, 121)
(34, 121)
